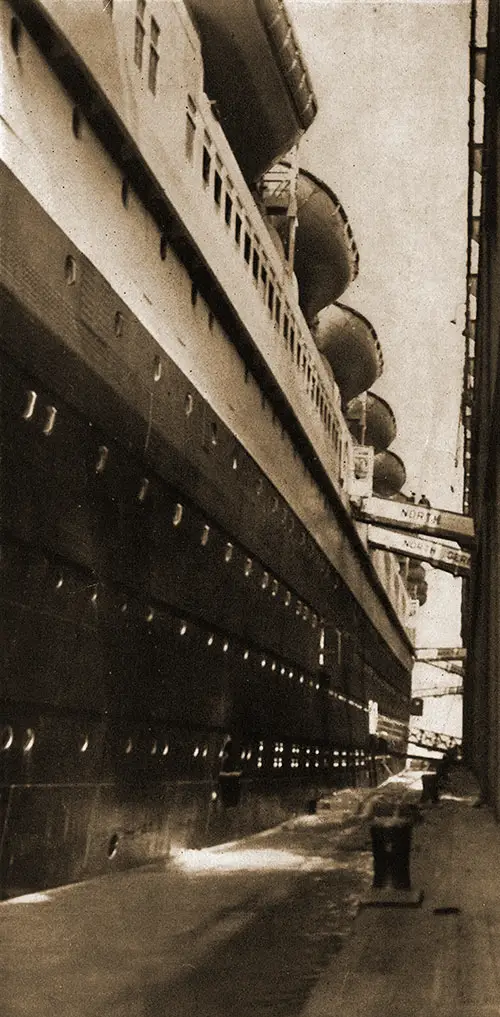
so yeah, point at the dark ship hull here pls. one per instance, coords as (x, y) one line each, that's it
(159, 592)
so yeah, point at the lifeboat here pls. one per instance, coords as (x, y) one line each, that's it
(351, 346)
(256, 76)
(380, 423)
(326, 258)
(389, 474)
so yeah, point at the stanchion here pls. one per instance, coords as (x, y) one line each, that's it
(391, 846)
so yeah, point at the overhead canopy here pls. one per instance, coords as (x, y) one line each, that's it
(351, 346)
(256, 75)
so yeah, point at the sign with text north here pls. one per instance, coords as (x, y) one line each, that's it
(441, 653)
(451, 559)
(431, 522)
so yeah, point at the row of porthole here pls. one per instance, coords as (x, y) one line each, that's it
(7, 738)
(267, 580)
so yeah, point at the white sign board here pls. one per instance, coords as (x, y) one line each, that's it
(407, 516)
(451, 559)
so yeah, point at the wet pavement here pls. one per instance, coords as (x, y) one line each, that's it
(271, 925)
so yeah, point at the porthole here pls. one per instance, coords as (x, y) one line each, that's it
(274, 504)
(143, 490)
(15, 35)
(305, 612)
(263, 662)
(70, 270)
(102, 458)
(59, 582)
(154, 748)
(235, 462)
(205, 533)
(314, 620)
(76, 122)
(128, 746)
(265, 581)
(149, 615)
(29, 408)
(183, 628)
(125, 192)
(246, 654)
(288, 598)
(83, 743)
(228, 554)
(259, 486)
(113, 846)
(204, 752)
(274, 588)
(124, 607)
(118, 324)
(248, 566)
(28, 739)
(50, 419)
(6, 737)
(165, 749)
(210, 640)
(213, 433)
(177, 516)
(298, 607)
(225, 646)
(94, 597)
(188, 404)
(196, 751)
(157, 368)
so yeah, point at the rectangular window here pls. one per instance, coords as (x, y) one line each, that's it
(292, 341)
(217, 188)
(237, 228)
(299, 351)
(228, 209)
(285, 326)
(270, 297)
(190, 134)
(247, 247)
(138, 43)
(263, 276)
(277, 311)
(207, 161)
(154, 60)
(155, 32)
(255, 266)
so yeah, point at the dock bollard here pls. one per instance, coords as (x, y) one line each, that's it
(430, 787)
(391, 847)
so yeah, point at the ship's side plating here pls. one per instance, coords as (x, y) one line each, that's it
(178, 560)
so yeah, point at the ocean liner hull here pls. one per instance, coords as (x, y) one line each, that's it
(168, 580)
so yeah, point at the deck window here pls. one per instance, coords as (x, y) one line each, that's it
(154, 57)
(270, 297)
(255, 266)
(139, 33)
(228, 209)
(207, 162)
(237, 228)
(190, 135)
(217, 187)
(247, 247)
(277, 311)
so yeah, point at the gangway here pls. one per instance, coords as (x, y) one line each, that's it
(432, 740)
(400, 515)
